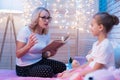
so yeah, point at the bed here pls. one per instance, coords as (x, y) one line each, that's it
(115, 72)
(110, 74)
(11, 75)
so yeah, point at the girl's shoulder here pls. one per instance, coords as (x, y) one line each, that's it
(106, 42)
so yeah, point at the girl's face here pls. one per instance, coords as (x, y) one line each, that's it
(95, 28)
(44, 19)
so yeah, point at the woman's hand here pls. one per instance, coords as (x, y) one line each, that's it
(46, 54)
(49, 53)
(32, 40)
(53, 52)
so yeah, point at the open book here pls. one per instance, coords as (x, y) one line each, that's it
(54, 45)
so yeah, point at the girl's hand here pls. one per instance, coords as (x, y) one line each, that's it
(90, 59)
(75, 64)
(32, 40)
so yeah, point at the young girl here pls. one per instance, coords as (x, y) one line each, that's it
(101, 55)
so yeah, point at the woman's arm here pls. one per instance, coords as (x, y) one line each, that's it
(22, 48)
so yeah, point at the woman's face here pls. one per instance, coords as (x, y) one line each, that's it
(95, 28)
(44, 19)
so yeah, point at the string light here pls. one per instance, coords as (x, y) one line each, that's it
(72, 14)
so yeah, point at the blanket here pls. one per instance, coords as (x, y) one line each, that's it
(108, 74)
(11, 75)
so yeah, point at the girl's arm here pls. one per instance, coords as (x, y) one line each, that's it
(87, 63)
(96, 67)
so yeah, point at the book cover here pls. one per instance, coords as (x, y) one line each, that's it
(54, 45)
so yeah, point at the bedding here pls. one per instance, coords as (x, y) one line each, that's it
(104, 74)
(11, 75)
(110, 74)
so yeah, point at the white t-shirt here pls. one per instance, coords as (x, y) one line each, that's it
(34, 54)
(102, 53)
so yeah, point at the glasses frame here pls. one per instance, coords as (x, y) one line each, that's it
(44, 18)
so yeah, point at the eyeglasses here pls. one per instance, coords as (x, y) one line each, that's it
(44, 18)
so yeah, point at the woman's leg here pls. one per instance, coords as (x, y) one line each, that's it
(22, 71)
(41, 71)
(43, 68)
(55, 65)
(35, 70)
